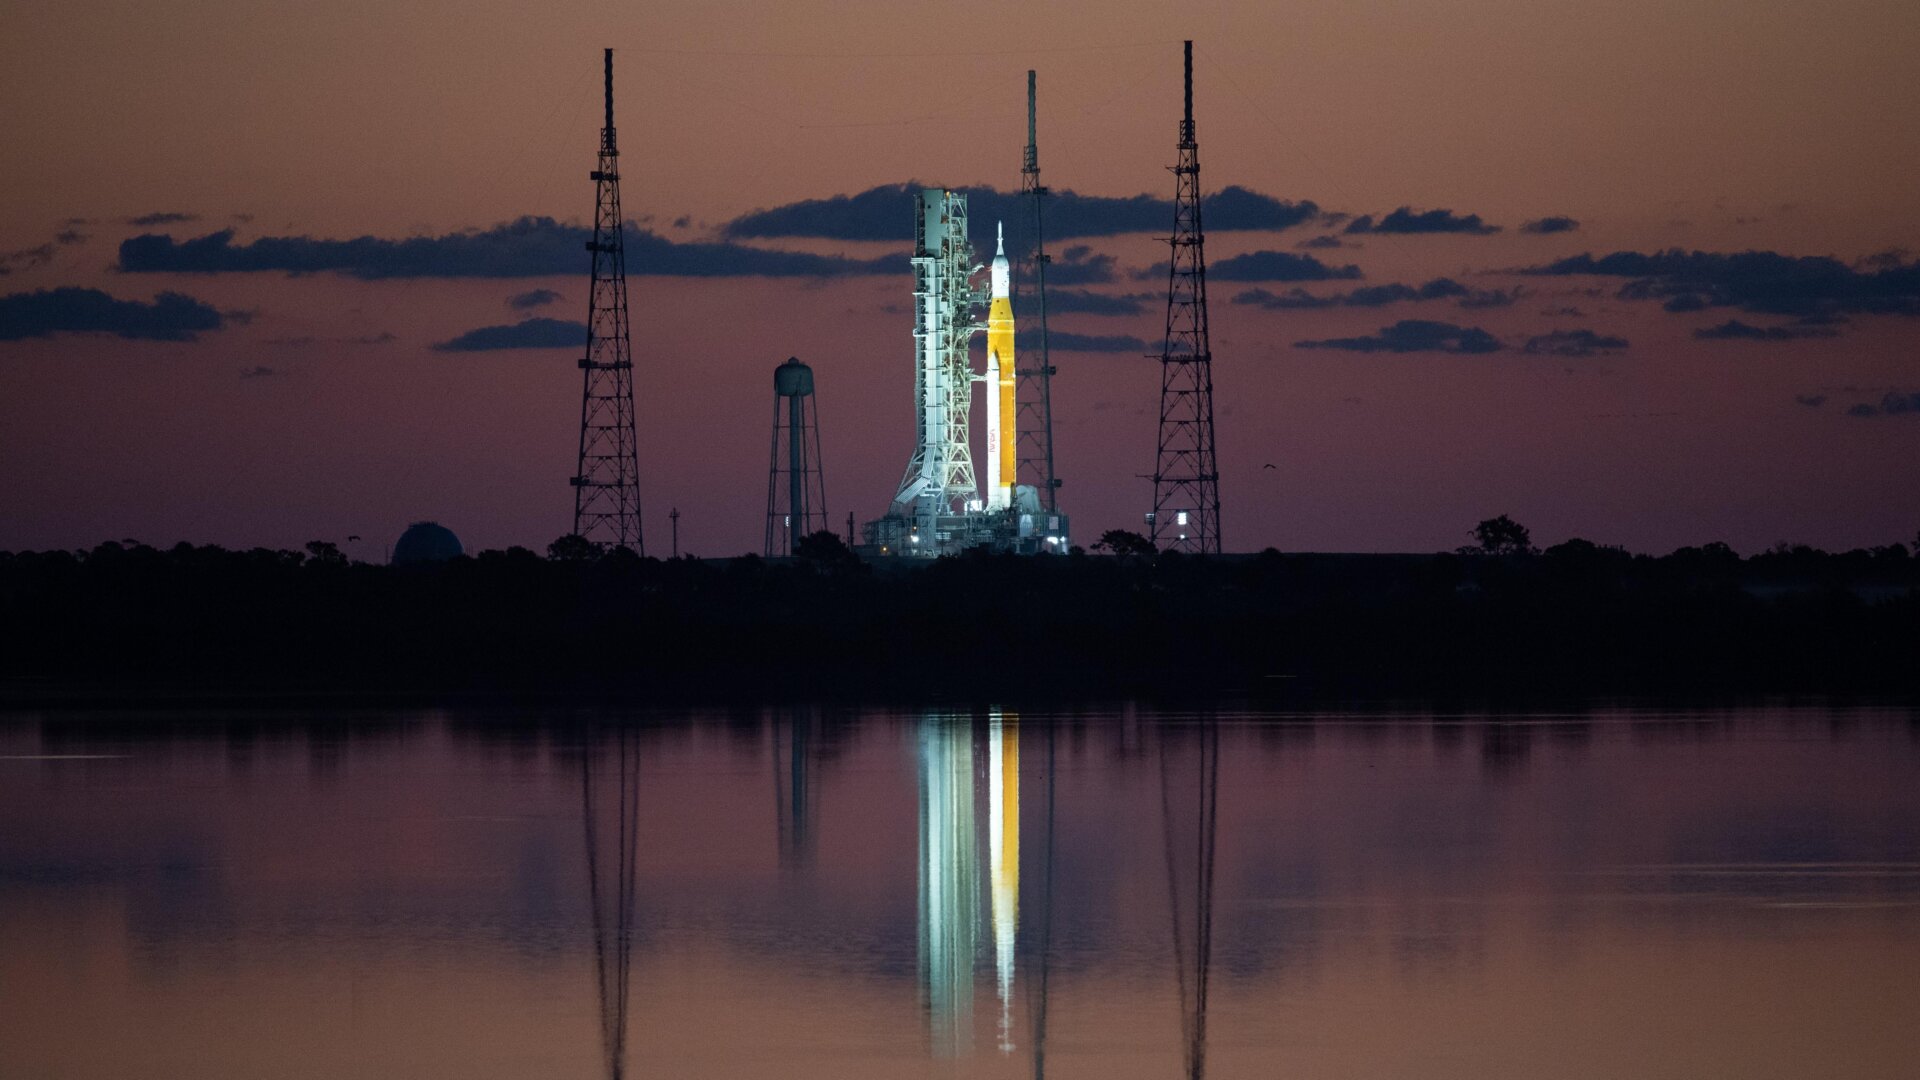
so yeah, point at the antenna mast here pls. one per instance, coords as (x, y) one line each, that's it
(1186, 478)
(606, 485)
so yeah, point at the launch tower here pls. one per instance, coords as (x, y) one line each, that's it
(1035, 421)
(606, 485)
(938, 508)
(1186, 478)
(939, 477)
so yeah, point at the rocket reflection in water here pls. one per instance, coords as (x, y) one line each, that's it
(955, 903)
(1003, 839)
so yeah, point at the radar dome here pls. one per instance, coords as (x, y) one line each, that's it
(426, 541)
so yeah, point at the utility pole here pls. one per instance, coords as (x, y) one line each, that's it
(674, 517)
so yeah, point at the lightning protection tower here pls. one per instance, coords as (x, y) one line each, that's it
(606, 485)
(796, 486)
(1186, 478)
(1035, 422)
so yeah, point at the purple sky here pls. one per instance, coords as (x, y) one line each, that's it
(1664, 401)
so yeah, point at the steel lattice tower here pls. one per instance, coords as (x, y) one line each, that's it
(1034, 426)
(1186, 479)
(606, 486)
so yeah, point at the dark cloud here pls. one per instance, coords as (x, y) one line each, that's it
(1324, 242)
(1414, 335)
(1275, 266)
(1735, 330)
(1081, 301)
(1407, 220)
(528, 247)
(1896, 403)
(1476, 299)
(69, 237)
(1066, 341)
(526, 334)
(1377, 296)
(1890, 259)
(163, 217)
(1079, 265)
(258, 371)
(532, 299)
(1811, 401)
(1577, 343)
(1550, 225)
(885, 213)
(1763, 282)
(27, 258)
(170, 317)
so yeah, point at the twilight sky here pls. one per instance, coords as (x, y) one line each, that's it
(191, 349)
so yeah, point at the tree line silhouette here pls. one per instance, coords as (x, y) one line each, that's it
(1495, 616)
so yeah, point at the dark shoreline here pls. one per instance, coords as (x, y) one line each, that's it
(138, 626)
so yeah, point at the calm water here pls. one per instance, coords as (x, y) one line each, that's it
(1607, 894)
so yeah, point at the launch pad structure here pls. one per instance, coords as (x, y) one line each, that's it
(940, 508)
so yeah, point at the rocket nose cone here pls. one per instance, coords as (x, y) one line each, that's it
(1002, 272)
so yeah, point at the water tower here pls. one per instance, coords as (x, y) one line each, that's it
(796, 488)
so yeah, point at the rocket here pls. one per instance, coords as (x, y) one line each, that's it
(1002, 460)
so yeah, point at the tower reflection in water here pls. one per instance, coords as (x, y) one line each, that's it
(949, 884)
(610, 812)
(793, 796)
(1189, 806)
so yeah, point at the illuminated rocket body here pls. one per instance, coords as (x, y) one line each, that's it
(1002, 461)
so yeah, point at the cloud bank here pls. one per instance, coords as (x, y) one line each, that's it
(1414, 335)
(1406, 220)
(1735, 330)
(1298, 299)
(1549, 225)
(885, 213)
(1896, 403)
(170, 317)
(525, 334)
(532, 299)
(1763, 282)
(1573, 343)
(527, 247)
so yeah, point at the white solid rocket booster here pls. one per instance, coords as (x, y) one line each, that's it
(1002, 462)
